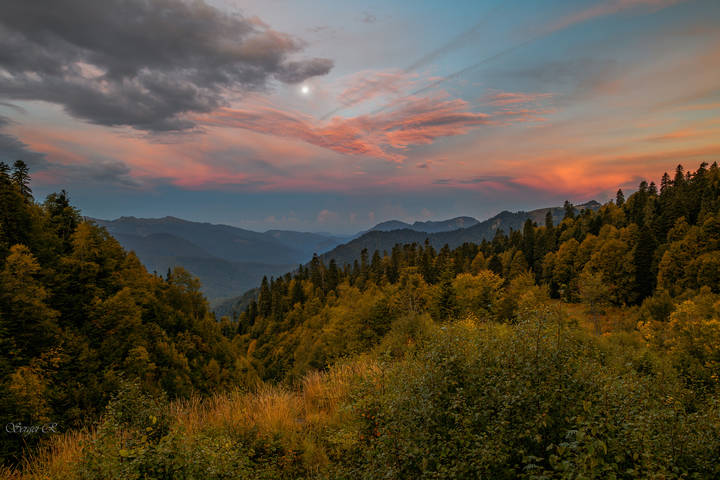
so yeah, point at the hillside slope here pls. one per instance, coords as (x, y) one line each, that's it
(226, 259)
(386, 240)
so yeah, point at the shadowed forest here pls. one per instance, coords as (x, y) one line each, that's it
(584, 349)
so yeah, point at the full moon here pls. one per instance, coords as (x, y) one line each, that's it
(304, 89)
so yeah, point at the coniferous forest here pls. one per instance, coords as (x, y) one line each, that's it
(584, 349)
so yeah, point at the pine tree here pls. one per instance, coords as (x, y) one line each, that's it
(316, 272)
(63, 217)
(265, 299)
(665, 183)
(528, 242)
(652, 189)
(333, 275)
(549, 220)
(679, 180)
(619, 198)
(297, 294)
(21, 178)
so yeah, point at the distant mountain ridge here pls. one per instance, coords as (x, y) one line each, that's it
(222, 241)
(385, 240)
(226, 259)
(384, 236)
(428, 227)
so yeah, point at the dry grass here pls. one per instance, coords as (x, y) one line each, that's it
(326, 391)
(8, 474)
(56, 458)
(297, 416)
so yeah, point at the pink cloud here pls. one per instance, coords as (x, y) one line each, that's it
(367, 85)
(385, 135)
(501, 99)
(677, 135)
(610, 8)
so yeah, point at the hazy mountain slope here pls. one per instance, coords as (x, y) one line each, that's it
(222, 279)
(305, 242)
(160, 244)
(235, 305)
(373, 240)
(445, 225)
(385, 240)
(221, 241)
(428, 227)
(389, 225)
(227, 260)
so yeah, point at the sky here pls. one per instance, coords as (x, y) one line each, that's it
(333, 116)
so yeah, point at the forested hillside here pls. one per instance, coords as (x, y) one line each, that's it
(648, 251)
(78, 315)
(587, 347)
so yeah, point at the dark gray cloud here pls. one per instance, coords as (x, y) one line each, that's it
(138, 62)
(105, 172)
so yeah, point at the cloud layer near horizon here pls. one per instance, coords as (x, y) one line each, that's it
(484, 103)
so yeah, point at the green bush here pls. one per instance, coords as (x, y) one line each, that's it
(535, 400)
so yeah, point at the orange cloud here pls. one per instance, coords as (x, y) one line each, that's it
(419, 121)
(677, 135)
(386, 134)
(589, 174)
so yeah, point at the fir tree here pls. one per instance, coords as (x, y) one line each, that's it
(619, 198)
(21, 178)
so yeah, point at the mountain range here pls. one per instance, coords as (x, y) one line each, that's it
(230, 261)
(384, 236)
(384, 240)
(427, 227)
(227, 260)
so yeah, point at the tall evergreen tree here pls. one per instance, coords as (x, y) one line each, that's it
(265, 298)
(21, 177)
(549, 220)
(333, 275)
(619, 198)
(528, 242)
